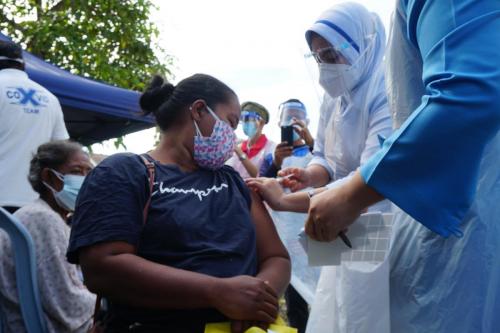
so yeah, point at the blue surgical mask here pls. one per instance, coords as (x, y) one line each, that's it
(250, 128)
(296, 136)
(66, 198)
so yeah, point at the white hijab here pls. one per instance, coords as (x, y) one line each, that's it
(348, 116)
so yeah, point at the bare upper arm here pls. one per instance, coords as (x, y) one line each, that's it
(93, 258)
(268, 241)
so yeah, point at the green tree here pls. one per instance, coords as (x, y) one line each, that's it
(114, 41)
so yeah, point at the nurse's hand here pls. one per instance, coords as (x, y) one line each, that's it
(330, 212)
(334, 210)
(298, 178)
(270, 190)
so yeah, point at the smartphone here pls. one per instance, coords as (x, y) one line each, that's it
(287, 134)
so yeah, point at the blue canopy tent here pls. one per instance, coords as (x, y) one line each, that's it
(93, 111)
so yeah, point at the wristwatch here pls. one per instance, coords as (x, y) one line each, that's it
(243, 157)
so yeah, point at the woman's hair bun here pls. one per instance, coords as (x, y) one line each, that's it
(155, 95)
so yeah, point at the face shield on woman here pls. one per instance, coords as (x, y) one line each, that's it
(338, 75)
(347, 42)
(250, 121)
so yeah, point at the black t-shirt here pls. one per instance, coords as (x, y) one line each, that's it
(198, 221)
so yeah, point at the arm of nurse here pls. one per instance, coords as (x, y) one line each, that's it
(271, 191)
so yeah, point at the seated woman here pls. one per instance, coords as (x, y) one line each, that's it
(56, 173)
(208, 251)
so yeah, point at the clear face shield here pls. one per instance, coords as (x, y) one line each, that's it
(333, 70)
(291, 111)
(249, 116)
(294, 116)
(329, 55)
(250, 121)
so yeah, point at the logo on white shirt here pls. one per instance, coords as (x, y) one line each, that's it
(28, 98)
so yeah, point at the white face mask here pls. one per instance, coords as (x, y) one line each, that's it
(338, 79)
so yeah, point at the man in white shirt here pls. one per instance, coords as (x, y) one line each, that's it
(29, 116)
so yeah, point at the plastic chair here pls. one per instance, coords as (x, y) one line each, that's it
(25, 263)
(1, 321)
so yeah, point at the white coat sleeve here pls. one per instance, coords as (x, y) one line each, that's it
(379, 127)
(319, 142)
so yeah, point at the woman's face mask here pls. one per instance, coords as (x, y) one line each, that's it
(250, 128)
(66, 198)
(338, 79)
(250, 123)
(213, 151)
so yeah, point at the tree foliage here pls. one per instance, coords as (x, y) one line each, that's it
(109, 40)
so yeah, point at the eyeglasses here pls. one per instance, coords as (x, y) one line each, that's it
(327, 55)
(333, 54)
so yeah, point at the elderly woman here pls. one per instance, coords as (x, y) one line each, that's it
(56, 173)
